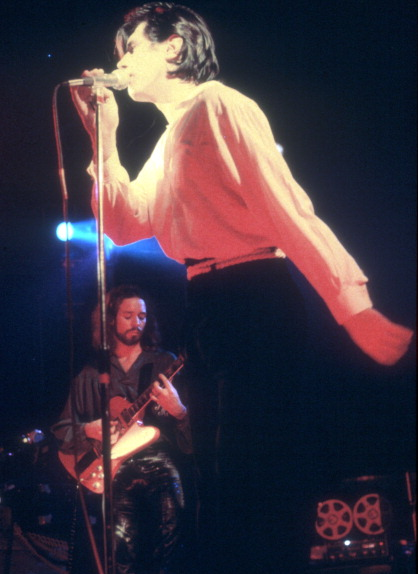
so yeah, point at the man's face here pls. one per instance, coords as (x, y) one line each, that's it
(146, 65)
(130, 321)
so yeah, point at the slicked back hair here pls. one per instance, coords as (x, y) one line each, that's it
(197, 60)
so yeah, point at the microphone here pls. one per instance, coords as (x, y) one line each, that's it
(118, 80)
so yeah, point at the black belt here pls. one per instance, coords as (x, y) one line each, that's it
(190, 262)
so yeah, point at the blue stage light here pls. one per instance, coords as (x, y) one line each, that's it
(64, 231)
(84, 233)
(80, 232)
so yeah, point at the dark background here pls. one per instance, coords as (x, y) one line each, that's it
(337, 81)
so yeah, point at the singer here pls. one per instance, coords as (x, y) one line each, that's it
(220, 199)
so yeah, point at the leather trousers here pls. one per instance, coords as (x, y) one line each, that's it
(147, 503)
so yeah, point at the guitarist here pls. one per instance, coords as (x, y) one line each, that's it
(148, 498)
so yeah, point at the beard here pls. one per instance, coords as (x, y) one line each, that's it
(129, 338)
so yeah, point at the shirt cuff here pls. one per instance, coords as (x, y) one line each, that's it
(112, 169)
(352, 300)
(184, 417)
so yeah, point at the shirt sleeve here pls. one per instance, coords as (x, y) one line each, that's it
(69, 430)
(70, 437)
(247, 144)
(184, 435)
(125, 211)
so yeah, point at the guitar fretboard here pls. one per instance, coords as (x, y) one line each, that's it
(144, 398)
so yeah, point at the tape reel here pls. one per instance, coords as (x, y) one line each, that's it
(334, 519)
(370, 514)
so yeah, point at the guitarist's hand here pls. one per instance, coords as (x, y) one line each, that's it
(164, 394)
(94, 430)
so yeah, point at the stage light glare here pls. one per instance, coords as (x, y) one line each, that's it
(82, 233)
(64, 231)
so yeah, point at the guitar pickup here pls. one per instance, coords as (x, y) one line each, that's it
(85, 461)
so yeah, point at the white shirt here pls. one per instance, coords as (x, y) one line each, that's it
(216, 186)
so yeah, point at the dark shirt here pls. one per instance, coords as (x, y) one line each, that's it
(129, 385)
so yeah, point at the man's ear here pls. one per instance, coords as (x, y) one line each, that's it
(173, 48)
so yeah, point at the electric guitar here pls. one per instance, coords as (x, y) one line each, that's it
(133, 437)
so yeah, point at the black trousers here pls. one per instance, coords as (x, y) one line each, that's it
(244, 341)
(148, 503)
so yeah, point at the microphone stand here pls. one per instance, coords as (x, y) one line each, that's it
(104, 353)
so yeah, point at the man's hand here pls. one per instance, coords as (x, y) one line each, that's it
(384, 341)
(85, 100)
(166, 395)
(93, 429)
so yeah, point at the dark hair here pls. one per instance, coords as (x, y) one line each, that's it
(150, 339)
(197, 60)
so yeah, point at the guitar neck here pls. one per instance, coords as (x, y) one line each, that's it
(144, 398)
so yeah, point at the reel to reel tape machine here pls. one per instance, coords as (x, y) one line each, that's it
(368, 520)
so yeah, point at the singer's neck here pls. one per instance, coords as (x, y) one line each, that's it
(170, 104)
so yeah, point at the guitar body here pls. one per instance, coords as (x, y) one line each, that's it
(133, 437)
